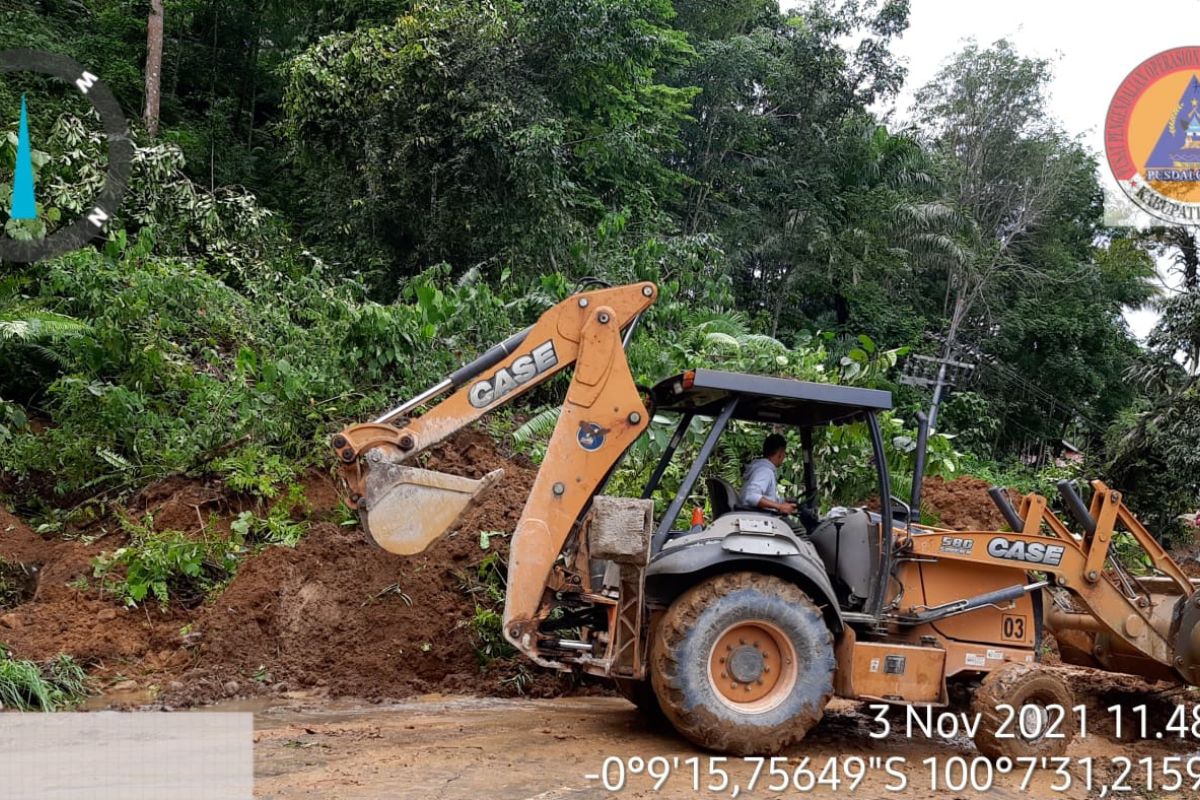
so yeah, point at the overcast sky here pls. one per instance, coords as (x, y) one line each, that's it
(1093, 45)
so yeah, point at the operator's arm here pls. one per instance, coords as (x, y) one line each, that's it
(759, 487)
(768, 504)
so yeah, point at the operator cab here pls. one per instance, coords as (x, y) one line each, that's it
(844, 554)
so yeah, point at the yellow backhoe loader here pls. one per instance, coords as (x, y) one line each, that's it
(740, 631)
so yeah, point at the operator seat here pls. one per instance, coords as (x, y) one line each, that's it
(843, 541)
(722, 496)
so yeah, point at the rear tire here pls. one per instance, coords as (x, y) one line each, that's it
(743, 663)
(1021, 685)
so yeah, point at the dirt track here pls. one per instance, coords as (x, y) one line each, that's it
(471, 748)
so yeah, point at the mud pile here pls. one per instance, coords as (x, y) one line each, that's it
(961, 504)
(334, 614)
(337, 612)
(60, 618)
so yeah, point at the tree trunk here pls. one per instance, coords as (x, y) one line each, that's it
(1189, 258)
(154, 48)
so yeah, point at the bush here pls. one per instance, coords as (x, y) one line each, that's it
(168, 565)
(278, 526)
(254, 471)
(488, 627)
(178, 372)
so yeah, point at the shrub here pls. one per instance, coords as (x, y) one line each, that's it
(278, 526)
(254, 471)
(168, 565)
(488, 627)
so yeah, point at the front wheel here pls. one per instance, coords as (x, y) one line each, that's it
(1041, 722)
(743, 663)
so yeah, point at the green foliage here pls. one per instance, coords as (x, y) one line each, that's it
(1028, 275)
(279, 526)
(348, 200)
(167, 565)
(1020, 477)
(522, 124)
(531, 436)
(970, 415)
(12, 421)
(52, 686)
(252, 471)
(488, 627)
(490, 577)
(487, 586)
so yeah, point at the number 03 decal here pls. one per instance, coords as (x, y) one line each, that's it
(1012, 628)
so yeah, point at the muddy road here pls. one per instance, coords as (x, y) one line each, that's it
(461, 748)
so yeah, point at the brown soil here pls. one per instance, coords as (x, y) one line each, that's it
(62, 619)
(961, 504)
(335, 614)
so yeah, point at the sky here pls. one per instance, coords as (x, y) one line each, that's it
(1093, 46)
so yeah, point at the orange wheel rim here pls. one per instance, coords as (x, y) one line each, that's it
(752, 667)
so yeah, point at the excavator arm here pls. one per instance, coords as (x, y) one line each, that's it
(405, 508)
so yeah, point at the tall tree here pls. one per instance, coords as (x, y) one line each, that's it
(482, 133)
(1003, 158)
(1031, 279)
(154, 55)
(781, 115)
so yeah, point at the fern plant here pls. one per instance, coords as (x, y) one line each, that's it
(531, 437)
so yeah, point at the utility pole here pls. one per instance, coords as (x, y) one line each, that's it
(938, 388)
(942, 374)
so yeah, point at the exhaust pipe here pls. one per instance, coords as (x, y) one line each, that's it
(919, 467)
(1006, 510)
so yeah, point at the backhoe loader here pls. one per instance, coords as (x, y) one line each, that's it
(740, 630)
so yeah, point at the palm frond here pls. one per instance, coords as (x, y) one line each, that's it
(722, 340)
(537, 428)
(34, 325)
(762, 341)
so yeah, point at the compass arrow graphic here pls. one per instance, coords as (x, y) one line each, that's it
(23, 203)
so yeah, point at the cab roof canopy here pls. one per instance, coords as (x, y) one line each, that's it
(782, 401)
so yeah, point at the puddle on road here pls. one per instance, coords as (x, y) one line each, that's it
(113, 700)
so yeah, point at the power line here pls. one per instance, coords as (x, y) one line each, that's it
(1019, 381)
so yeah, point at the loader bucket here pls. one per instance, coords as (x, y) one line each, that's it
(405, 509)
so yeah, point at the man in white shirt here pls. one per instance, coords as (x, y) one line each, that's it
(760, 482)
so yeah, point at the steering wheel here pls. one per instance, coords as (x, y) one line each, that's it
(804, 500)
(804, 511)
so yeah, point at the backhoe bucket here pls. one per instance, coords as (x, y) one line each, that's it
(405, 509)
